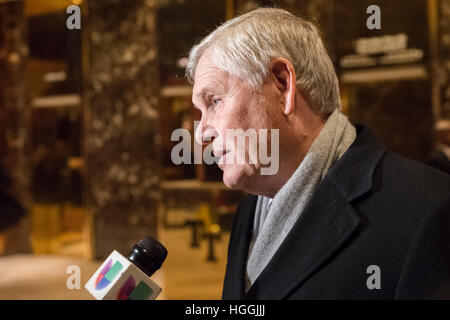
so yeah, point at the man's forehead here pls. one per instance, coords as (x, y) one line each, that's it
(208, 72)
(209, 78)
(205, 58)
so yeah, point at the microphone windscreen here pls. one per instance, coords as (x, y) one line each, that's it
(154, 248)
(148, 254)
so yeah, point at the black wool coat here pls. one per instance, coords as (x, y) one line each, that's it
(373, 208)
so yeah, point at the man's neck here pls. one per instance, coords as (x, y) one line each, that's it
(289, 164)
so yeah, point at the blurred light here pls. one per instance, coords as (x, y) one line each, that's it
(55, 76)
(215, 229)
(182, 62)
(77, 2)
(75, 162)
(442, 125)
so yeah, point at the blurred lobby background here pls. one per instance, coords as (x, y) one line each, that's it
(86, 118)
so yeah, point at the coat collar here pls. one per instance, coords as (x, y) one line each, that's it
(234, 284)
(326, 224)
(353, 173)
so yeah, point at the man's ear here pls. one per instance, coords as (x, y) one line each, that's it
(284, 77)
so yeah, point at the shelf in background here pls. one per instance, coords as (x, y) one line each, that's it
(57, 101)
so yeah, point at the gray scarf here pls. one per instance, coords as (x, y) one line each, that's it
(272, 224)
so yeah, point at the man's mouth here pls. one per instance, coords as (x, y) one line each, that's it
(221, 154)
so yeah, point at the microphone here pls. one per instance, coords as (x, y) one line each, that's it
(120, 278)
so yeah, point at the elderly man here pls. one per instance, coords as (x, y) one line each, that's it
(342, 218)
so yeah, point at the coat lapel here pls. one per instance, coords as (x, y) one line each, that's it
(325, 225)
(234, 284)
(320, 230)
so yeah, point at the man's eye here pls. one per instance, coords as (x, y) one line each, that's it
(215, 102)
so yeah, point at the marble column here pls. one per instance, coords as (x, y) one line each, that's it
(15, 118)
(121, 122)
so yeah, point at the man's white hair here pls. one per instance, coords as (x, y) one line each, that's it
(244, 46)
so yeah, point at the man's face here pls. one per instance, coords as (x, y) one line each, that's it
(226, 102)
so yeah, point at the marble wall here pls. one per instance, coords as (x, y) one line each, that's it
(15, 117)
(121, 122)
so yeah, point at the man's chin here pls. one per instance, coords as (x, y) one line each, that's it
(233, 179)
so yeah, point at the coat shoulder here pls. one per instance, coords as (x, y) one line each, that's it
(414, 179)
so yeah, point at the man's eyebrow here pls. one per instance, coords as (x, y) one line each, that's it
(205, 90)
(202, 93)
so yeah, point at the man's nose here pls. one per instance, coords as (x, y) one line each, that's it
(204, 134)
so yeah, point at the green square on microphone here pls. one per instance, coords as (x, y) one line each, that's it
(112, 273)
(141, 292)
